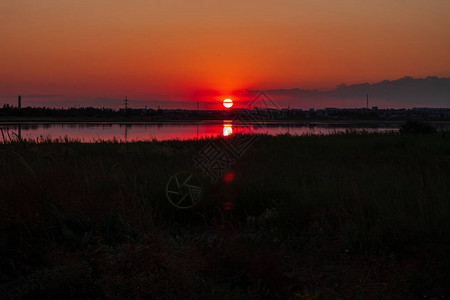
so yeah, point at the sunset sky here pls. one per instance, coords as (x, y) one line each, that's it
(63, 51)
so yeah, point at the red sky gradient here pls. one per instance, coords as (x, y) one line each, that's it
(98, 51)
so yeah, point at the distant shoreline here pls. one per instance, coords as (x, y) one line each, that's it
(18, 121)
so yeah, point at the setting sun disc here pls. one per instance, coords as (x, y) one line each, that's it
(227, 103)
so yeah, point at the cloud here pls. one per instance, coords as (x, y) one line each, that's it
(403, 92)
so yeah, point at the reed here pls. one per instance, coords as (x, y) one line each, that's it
(352, 215)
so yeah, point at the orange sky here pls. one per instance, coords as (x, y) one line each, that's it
(166, 49)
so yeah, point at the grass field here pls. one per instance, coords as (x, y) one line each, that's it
(342, 216)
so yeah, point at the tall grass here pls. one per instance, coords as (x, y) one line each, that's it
(370, 212)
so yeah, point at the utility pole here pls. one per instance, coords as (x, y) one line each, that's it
(19, 102)
(367, 101)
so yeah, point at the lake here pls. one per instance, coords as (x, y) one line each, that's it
(91, 131)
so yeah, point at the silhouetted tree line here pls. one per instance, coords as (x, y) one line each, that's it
(430, 114)
(417, 127)
(8, 110)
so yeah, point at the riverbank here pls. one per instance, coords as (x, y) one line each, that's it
(340, 216)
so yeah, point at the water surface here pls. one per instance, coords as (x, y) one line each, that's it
(88, 132)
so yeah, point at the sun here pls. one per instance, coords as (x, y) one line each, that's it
(227, 103)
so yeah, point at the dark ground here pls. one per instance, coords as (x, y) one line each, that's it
(362, 216)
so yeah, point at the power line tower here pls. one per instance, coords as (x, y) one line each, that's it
(125, 102)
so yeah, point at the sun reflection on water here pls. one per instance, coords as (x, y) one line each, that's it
(227, 129)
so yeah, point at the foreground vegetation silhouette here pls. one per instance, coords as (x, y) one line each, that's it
(346, 215)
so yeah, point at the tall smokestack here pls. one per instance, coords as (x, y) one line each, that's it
(19, 102)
